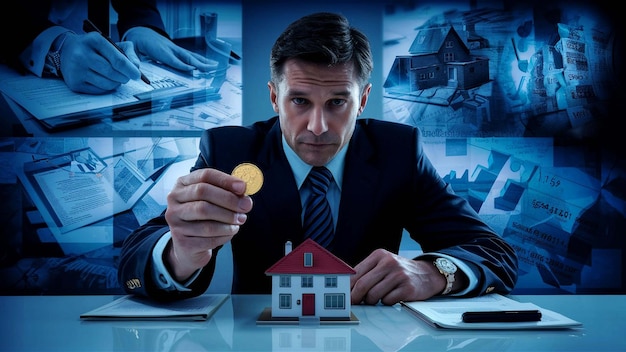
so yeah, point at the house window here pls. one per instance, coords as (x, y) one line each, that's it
(422, 76)
(284, 301)
(285, 281)
(284, 340)
(308, 259)
(335, 343)
(307, 281)
(431, 75)
(449, 44)
(330, 281)
(334, 301)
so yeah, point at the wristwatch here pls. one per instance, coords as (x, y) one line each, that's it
(53, 58)
(55, 61)
(447, 268)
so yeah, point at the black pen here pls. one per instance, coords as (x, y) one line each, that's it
(501, 316)
(88, 26)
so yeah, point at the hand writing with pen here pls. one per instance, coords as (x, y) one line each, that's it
(91, 63)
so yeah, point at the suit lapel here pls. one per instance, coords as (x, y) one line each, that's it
(279, 199)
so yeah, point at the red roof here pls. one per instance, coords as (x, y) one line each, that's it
(324, 262)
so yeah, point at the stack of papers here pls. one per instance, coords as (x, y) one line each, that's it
(447, 313)
(138, 308)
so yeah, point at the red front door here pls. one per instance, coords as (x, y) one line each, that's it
(308, 304)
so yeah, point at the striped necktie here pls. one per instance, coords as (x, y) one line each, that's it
(318, 218)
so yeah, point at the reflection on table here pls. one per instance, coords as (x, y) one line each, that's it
(51, 323)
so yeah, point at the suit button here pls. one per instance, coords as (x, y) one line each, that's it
(133, 284)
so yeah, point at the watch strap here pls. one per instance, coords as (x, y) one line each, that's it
(52, 65)
(449, 275)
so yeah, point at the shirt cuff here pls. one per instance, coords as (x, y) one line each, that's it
(472, 279)
(34, 56)
(161, 275)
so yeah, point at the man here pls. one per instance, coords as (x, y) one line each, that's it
(383, 184)
(47, 39)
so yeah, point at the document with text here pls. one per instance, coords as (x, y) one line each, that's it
(55, 106)
(131, 307)
(79, 188)
(447, 312)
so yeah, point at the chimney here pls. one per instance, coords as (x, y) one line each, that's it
(287, 247)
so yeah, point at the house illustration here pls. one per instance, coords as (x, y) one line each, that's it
(310, 283)
(437, 57)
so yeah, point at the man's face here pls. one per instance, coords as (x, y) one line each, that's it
(318, 107)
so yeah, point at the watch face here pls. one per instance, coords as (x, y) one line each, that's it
(446, 265)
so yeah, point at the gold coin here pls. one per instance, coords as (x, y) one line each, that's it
(251, 175)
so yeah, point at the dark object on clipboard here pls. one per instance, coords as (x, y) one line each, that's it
(502, 316)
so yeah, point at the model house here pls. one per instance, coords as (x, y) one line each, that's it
(437, 57)
(310, 282)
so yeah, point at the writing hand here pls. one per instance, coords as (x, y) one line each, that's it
(90, 64)
(204, 210)
(152, 44)
(390, 278)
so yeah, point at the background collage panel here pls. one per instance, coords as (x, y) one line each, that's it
(71, 195)
(175, 103)
(516, 101)
(72, 201)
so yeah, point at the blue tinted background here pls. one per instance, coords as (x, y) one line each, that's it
(544, 169)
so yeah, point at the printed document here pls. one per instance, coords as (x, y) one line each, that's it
(51, 102)
(79, 188)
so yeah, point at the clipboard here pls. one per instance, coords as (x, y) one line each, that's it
(79, 188)
(135, 308)
(447, 312)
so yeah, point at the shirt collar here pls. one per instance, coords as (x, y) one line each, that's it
(301, 169)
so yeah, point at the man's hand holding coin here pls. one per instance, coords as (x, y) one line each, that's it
(204, 210)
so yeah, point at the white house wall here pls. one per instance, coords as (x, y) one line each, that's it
(296, 291)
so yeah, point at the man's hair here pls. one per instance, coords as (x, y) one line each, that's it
(323, 38)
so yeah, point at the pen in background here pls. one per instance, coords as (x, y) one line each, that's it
(88, 26)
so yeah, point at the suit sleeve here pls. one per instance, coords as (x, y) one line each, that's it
(20, 25)
(26, 19)
(134, 13)
(451, 226)
(135, 267)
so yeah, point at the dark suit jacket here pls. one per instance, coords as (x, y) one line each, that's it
(388, 185)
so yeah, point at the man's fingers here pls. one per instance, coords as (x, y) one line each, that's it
(117, 61)
(216, 178)
(201, 210)
(129, 50)
(197, 234)
(214, 187)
